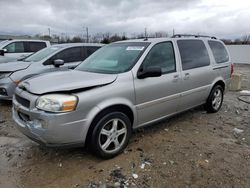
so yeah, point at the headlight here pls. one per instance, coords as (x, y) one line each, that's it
(57, 103)
(4, 75)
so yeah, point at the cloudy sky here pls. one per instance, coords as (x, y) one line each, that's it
(222, 18)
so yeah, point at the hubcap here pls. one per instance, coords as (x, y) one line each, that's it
(113, 135)
(217, 99)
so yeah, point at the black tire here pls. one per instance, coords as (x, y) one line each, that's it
(210, 105)
(102, 126)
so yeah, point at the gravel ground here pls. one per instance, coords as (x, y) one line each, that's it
(192, 149)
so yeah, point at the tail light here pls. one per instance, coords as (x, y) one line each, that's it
(232, 69)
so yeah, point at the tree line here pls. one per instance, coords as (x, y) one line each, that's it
(108, 37)
(104, 38)
(239, 41)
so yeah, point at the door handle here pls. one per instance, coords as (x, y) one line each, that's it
(186, 76)
(175, 78)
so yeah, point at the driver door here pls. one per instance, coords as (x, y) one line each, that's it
(157, 97)
(71, 57)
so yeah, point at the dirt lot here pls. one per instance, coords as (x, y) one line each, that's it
(193, 149)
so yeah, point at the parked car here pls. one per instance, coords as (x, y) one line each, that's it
(55, 58)
(12, 50)
(121, 87)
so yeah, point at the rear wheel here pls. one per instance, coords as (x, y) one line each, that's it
(111, 135)
(215, 99)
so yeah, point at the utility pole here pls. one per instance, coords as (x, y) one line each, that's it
(87, 31)
(146, 35)
(87, 34)
(49, 31)
(173, 32)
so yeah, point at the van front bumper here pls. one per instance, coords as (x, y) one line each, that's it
(49, 129)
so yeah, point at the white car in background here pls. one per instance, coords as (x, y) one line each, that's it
(12, 50)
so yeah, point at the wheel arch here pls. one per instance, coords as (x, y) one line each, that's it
(106, 107)
(219, 81)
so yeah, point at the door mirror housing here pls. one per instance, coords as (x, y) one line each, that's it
(149, 72)
(3, 51)
(58, 62)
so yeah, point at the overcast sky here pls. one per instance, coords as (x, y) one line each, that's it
(222, 18)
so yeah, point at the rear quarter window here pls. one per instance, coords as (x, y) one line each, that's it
(219, 52)
(193, 54)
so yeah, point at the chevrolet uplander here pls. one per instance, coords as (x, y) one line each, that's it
(122, 86)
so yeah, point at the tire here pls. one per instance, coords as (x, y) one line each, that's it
(215, 99)
(110, 135)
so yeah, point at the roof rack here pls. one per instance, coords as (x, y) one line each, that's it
(189, 35)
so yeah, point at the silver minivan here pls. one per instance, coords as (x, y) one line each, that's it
(122, 86)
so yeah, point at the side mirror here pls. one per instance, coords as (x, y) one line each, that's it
(149, 72)
(58, 62)
(2, 52)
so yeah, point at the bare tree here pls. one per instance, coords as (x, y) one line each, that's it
(246, 39)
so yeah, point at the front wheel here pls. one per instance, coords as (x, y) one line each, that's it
(215, 99)
(111, 135)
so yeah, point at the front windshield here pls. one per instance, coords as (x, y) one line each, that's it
(114, 58)
(40, 55)
(3, 42)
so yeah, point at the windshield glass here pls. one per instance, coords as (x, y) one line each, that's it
(3, 42)
(40, 55)
(114, 58)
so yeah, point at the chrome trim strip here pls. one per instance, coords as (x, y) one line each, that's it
(171, 97)
(157, 101)
(199, 89)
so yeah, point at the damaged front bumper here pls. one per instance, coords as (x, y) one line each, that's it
(49, 129)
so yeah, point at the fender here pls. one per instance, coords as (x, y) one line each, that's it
(217, 79)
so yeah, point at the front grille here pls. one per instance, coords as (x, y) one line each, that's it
(22, 101)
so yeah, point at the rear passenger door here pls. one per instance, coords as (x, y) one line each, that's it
(157, 97)
(197, 74)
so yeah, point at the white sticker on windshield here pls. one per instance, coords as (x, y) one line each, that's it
(54, 48)
(139, 48)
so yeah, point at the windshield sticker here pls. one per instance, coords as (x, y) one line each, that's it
(138, 48)
(54, 48)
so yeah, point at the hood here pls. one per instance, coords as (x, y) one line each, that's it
(65, 81)
(13, 66)
(5, 59)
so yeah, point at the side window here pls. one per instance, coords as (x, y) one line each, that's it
(91, 50)
(15, 47)
(35, 46)
(69, 55)
(219, 51)
(161, 55)
(193, 54)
